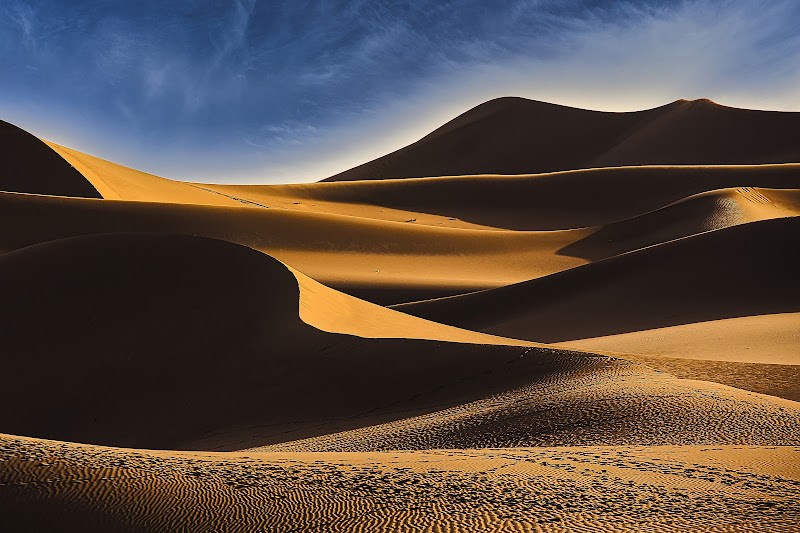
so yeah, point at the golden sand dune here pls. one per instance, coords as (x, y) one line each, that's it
(117, 182)
(696, 214)
(760, 339)
(143, 312)
(152, 340)
(54, 486)
(737, 271)
(386, 262)
(379, 260)
(199, 344)
(30, 166)
(559, 200)
(519, 136)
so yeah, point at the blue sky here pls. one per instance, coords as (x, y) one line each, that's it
(258, 91)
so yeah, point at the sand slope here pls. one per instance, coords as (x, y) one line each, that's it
(151, 340)
(117, 182)
(57, 486)
(519, 136)
(28, 165)
(737, 271)
(166, 341)
(559, 200)
(385, 262)
(382, 261)
(162, 314)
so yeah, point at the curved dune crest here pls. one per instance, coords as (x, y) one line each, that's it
(336, 312)
(696, 214)
(30, 166)
(166, 340)
(737, 271)
(552, 201)
(118, 182)
(377, 260)
(520, 136)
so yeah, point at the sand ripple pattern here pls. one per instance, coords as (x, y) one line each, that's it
(609, 401)
(544, 489)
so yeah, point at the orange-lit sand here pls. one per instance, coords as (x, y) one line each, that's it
(51, 484)
(572, 348)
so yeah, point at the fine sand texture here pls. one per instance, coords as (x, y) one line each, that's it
(536, 318)
(55, 486)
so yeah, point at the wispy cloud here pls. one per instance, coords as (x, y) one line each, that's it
(266, 83)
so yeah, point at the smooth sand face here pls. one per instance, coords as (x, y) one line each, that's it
(219, 317)
(765, 339)
(515, 136)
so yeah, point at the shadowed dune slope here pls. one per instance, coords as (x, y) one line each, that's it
(696, 214)
(559, 200)
(388, 261)
(29, 165)
(382, 261)
(738, 271)
(164, 341)
(520, 136)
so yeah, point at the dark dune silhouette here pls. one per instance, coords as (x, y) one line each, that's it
(518, 136)
(29, 165)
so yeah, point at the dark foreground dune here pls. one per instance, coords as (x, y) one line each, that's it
(178, 341)
(166, 341)
(520, 136)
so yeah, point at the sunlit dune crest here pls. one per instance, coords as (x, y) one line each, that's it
(536, 318)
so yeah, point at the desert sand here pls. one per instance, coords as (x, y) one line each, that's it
(490, 329)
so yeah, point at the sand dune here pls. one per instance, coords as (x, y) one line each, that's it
(382, 261)
(696, 214)
(647, 313)
(609, 401)
(56, 486)
(30, 166)
(559, 200)
(196, 342)
(117, 182)
(208, 338)
(733, 272)
(519, 136)
(764, 339)
(385, 262)
(149, 340)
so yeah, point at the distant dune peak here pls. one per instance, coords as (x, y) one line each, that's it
(513, 135)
